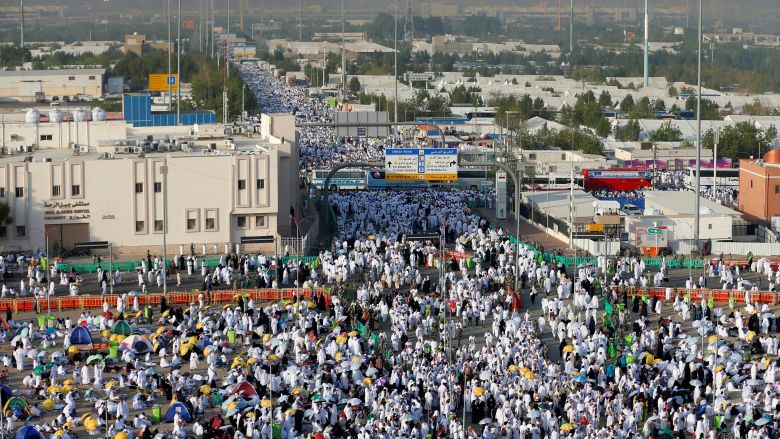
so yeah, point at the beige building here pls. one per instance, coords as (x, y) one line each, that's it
(217, 194)
(138, 44)
(26, 85)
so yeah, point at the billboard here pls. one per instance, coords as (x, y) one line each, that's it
(355, 118)
(410, 76)
(501, 195)
(652, 237)
(430, 164)
(162, 81)
(244, 50)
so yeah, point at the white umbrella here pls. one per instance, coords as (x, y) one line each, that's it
(485, 375)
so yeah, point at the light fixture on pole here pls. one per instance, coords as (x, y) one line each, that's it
(395, 62)
(178, 68)
(696, 212)
(647, 46)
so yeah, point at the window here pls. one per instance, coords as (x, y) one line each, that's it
(241, 222)
(19, 192)
(139, 226)
(211, 219)
(192, 220)
(75, 190)
(71, 78)
(2, 192)
(553, 168)
(259, 220)
(532, 156)
(241, 185)
(751, 184)
(56, 191)
(139, 187)
(710, 226)
(157, 187)
(3, 232)
(21, 231)
(46, 137)
(261, 183)
(777, 188)
(563, 156)
(92, 77)
(158, 225)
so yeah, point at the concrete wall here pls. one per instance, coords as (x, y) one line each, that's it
(24, 87)
(48, 135)
(717, 228)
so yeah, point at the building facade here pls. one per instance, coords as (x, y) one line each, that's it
(27, 85)
(759, 187)
(212, 196)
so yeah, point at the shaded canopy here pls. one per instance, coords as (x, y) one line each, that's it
(244, 389)
(18, 406)
(136, 344)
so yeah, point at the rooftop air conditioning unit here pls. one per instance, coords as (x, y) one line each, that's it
(126, 150)
(20, 149)
(28, 149)
(84, 149)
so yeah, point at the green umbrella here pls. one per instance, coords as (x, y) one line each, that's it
(93, 358)
(50, 364)
(316, 397)
(38, 370)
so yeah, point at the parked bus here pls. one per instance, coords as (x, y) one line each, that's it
(553, 182)
(616, 179)
(727, 177)
(351, 179)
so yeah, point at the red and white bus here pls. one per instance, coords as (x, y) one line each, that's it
(616, 179)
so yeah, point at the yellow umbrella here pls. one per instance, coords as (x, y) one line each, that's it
(273, 357)
(266, 337)
(250, 415)
(67, 425)
(231, 406)
(59, 433)
(514, 368)
(105, 333)
(718, 368)
(266, 403)
(160, 330)
(66, 389)
(205, 389)
(649, 359)
(530, 375)
(68, 382)
(199, 325)
(658, 361)
(712, 339)
(750, 335)
(339, 355)
(85, 416)
(52, 390)
(367, 381)
(252, 360)
(91, 424)
(297, 390)
(193, 340)
(357, 360)
(120, 435)
(575, 373)
(290, 412)
(110, 384)
(226, 306)
(353, 333)
(166, 313)
(567, 427)
(237, 363)
(341, 339)
(48, 404)
(568, 348)
(73, 350)
(479, 391)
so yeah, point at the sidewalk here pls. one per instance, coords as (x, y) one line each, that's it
(528, 231)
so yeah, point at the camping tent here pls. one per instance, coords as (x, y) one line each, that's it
(5, 393)
(244, 389)
(18, 407)
(121, 327)
(81, 338)
(28, 432)
(136, 344)
(183, 410)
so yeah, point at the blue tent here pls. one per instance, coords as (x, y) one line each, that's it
(28, 432)
(183, 410)
(80, 336)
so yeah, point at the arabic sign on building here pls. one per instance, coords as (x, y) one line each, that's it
(414, 77)
(66, 211)
(652, 236)
(432, 164)
(162, 81)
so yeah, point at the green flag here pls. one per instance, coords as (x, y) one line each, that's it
(608, 307)
(361, 329)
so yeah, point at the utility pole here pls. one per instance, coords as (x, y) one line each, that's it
(571, 29)
(300, 20)
(21, 19)
(170, 48)
(241, 15)
(164, 172)
(395, 63)
(715, 165)
(178, 68)
(647, 45)
(343, 58)
(697, 214)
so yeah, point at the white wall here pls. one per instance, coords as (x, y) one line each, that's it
(717, 228)
(62, 134)
(743, 248)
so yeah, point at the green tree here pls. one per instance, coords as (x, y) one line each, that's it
(627, 104)
(709, 109)
(738, 141)
(354, 85)
(605, 99)
(628, 132)
(666, 133)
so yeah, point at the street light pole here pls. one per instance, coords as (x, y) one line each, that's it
(164, 172)
(698, 137)
(178, 68)
(395, 63)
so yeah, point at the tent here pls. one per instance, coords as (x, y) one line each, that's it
(183, 410)
(81, 338)
(121, 327)
(18, 407)
(244, 389)
(28, 432)
(5, 393)
(4, 323)
(136, 344)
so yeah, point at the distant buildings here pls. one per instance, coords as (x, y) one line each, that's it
(32, 85)
(138, 44)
